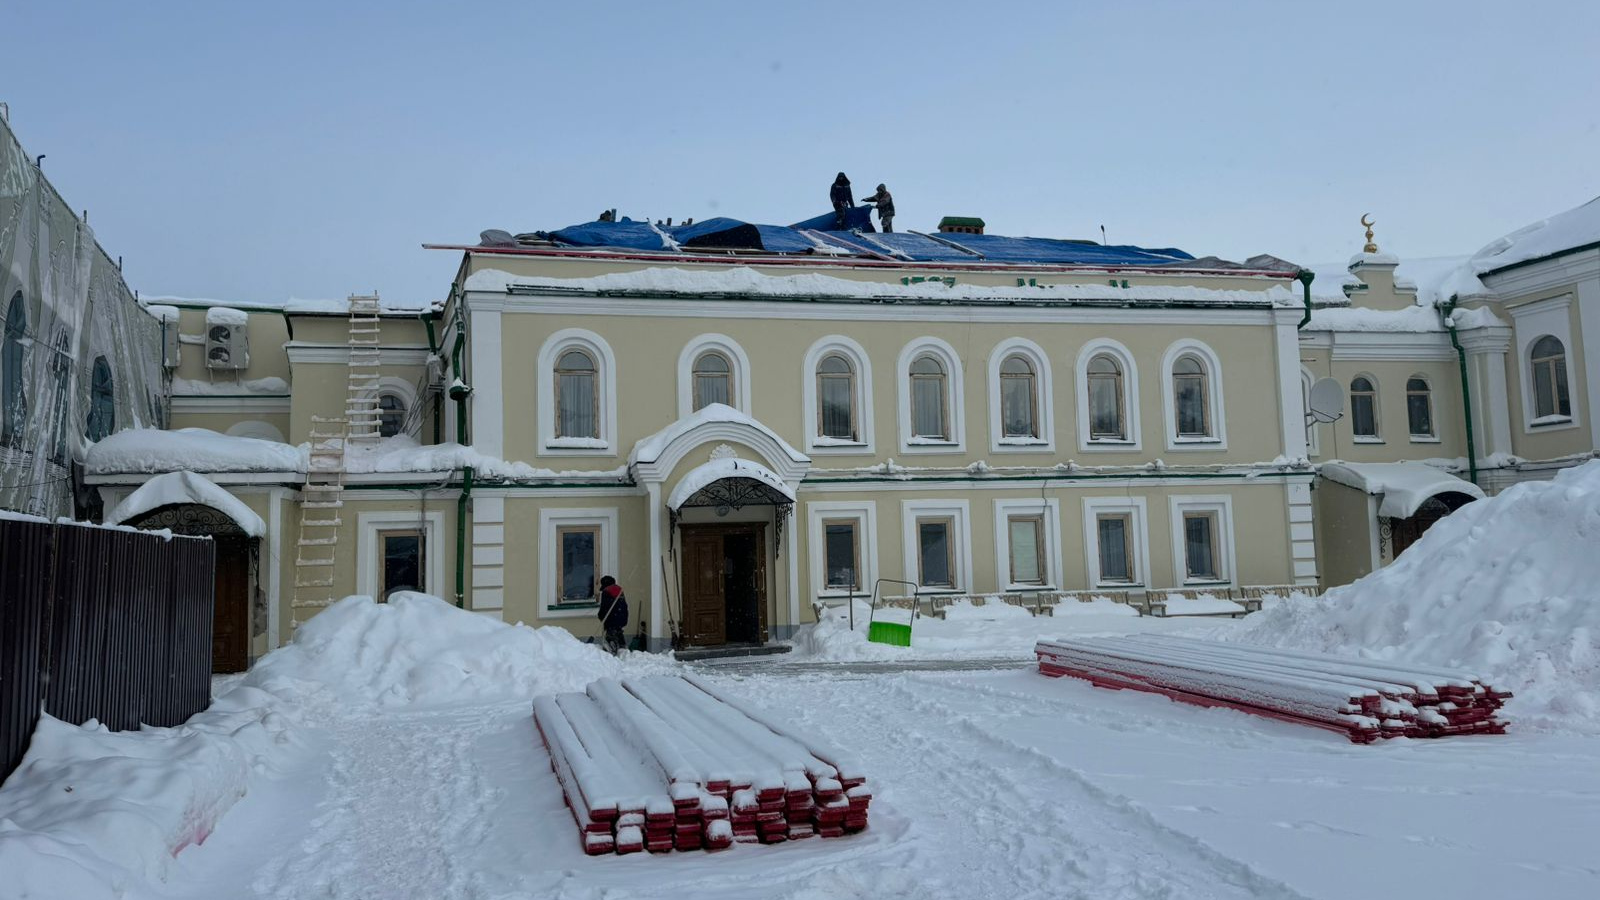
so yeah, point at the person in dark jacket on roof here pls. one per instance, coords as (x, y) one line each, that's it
(842, 201)
(885, 208)
(613, 613)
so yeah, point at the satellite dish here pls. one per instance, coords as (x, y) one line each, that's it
(1327, 401)
(495, 237)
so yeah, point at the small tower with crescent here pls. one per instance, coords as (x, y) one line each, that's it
(1366, 221)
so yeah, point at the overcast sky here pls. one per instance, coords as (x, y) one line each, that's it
(260, 151)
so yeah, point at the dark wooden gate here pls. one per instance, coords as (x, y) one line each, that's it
(100, 623)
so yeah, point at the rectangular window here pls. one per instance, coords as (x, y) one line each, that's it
(402, 561)
(1115, 534)
(934, 567)
(837, 407)
(1017, 407)
(1105, 407)
(709, 389)
(1191, 401)
(1026, 537)
(1363, 416)
(576, 403)
(927, 407)
(577, 548)
(843, 546)
(1419, 410)
(1200, 546)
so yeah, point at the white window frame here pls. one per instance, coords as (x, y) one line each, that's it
(1433, 409)
(1377, 409)
(865, 514)
(1215, 407)
(1049, 512)
(957, 511)
(368, 558)
(1220, 505)
(1551, 317)
(605, 394)
(738, 395)
(1130, 398)
(1135, 509)
(955, 383)
(1312, 426)
(549, 520)
(815, 444)
(1035, 355)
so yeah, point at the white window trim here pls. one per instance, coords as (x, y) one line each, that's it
(388, 384)
(1130, 397)
(960, 554)
(1222, 505)
(740, 363)
(549, 520)
(1533, 321)
(368, 524)
(955, 390)
(606, 382)
(1046, 441)
(815, 444)
(1312, 426)
(1135, 508)
(865, 513)
(1048, 510)
(1377, 409)
(1218, 439)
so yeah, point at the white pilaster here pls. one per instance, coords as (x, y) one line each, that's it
(488, 403)
(1486, 350)
(1291, 406)
(658, 631)
(488, 553)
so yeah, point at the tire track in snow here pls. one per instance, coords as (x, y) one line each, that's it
(1006, 820)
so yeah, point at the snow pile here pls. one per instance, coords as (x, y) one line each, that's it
(194, 387)
(1503, 587)
(91, 813)
(195, 449)
(419, 651)
(403, 453)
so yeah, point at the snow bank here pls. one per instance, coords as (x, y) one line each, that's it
(194, 449)
(91, 813)
(419, 651)
(1503, 586)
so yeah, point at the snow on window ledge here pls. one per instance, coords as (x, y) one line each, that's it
(1550, 420)
(1424, 439)
(825, 441)
(1024, 442)
(578, 443)
(1196, 439)
(1368, 439)
(1111, 442)
(918, 440)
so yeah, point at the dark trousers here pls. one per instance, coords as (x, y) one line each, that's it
(838, 216)
(888, 224)
(615, 640)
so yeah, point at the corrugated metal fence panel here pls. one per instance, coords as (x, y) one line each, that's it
(25, 570)
(101, 624)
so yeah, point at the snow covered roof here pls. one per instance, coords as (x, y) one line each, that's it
(743, 280)
(649, 449)
(1574, 229)
(718, 469)
(1435, 279)
(145, 450)
(292, 305)
(186, 487)
(1404, 486)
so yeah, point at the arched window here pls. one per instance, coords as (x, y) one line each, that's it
(1419, 407)
(1550, 394)
(1191, 398)
(1019, 398)
(1364, 407)
(102, 402)
(391, 414)
(929, 389)
(14, 414)
(836, 398)
(577, 397)
(1107, 415)
(713, 380)
(61, 367)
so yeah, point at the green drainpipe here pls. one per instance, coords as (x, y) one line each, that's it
(466, 471)
(433, 350)
(1305, 276)
(1466, 392)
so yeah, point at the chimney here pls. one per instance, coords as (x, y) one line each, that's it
(961, 225)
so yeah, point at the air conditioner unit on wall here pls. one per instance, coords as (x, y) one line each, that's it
(227, 339)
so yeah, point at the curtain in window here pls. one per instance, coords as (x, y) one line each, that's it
(1017, 406)
(1105, 406)
(1550, 396)
(841, 565)
(837, 400)
(935, 544)
(709, 389)
(1199, 547)
(577, 566)
(927, 406)
(577, 406)
(1189, 390)
(1114, 562)
(1025, 564)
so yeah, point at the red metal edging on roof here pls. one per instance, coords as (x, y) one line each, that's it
(803, 262)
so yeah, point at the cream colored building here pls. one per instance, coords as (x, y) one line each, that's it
(740, 435)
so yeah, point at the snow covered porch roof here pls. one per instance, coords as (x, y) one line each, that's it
(1404, 486)
(175, 488)
(752, 483)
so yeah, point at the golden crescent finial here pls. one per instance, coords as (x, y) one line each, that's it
(1370, 246)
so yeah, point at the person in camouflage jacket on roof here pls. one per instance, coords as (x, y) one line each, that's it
(885, 203)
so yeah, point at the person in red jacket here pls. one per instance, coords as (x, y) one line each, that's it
(613, 613)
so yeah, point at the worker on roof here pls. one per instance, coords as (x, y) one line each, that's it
(885, 204)
(842, 201)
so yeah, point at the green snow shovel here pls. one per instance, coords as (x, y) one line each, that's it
(895, 634)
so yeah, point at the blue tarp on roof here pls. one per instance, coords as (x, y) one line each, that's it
(726, 233)
(627, 234)
(856, 218)
(999, 248)
(914, 246)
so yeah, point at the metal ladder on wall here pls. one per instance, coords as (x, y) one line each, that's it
(322, 500)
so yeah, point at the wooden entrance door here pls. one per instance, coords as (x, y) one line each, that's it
(230, 630)
(724, 583)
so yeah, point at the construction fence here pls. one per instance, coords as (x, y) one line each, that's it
(100, 623)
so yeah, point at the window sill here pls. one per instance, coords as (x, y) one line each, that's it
(1118, 585)
(1111, 442)
(1359, 439)
(1015, 441)
(1191, 439)
(1424, 439)
(1548, 421)
(1208, 583)
(1028, 588)
(586, 604)
(574, 443)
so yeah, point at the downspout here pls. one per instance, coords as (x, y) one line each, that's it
(460, 395)
(1448, 311)
(433, 350)
(1305, 276)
